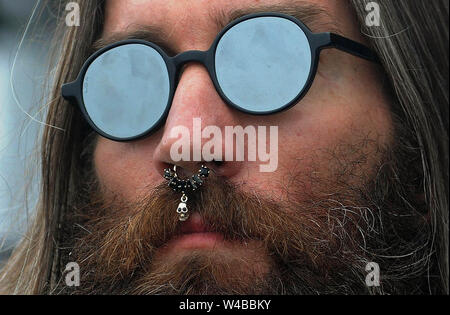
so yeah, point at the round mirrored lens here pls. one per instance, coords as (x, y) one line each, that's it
(262, 64)
(126, 90)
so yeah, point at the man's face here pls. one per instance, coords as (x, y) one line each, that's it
(345, 103)
(330, 147)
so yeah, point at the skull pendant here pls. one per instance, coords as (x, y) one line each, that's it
(182, 211)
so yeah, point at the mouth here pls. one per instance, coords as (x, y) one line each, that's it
(194, 234)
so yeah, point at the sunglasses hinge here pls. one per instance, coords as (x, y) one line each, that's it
(321, 40)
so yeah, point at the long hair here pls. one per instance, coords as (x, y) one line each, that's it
(33, 267)
(412, 43)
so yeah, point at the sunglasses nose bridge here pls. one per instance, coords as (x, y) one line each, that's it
(191, 56)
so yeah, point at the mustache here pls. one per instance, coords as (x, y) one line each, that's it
(116, 237)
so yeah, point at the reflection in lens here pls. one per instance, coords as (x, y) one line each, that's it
(126, 90)
(262, 64)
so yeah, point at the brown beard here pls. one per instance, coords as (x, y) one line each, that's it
(313, 243)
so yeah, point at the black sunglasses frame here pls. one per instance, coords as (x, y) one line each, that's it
(73, 92)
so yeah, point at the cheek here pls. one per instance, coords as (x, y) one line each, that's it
(348, 119)
(124, 170)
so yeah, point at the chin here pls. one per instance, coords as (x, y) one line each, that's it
(222, 269)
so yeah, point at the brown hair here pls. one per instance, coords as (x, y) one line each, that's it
(412, 42)
(33, 267)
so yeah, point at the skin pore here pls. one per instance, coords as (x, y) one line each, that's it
(251, 224)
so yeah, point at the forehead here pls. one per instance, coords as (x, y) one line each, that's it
(197, 20)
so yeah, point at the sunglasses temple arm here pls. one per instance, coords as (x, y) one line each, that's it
(331, 40)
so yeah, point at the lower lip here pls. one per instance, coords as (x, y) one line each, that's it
(205, 240)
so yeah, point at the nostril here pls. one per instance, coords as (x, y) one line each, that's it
(218, 167)
(218, 163)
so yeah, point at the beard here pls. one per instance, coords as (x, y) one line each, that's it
(317, 241)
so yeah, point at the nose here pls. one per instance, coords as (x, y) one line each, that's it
(197, 117)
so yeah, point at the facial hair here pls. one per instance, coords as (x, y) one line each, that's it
(313, 243)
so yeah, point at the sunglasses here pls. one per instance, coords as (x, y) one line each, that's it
(260, 64)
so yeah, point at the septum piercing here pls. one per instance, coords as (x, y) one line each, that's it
(185, 186)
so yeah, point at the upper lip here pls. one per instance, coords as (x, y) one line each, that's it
(194, 224)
